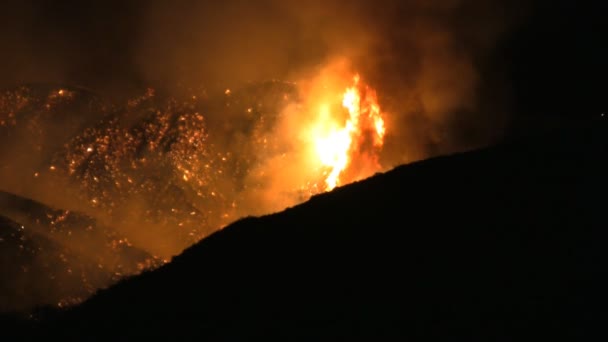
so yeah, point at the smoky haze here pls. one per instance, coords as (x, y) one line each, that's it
(430, 61)
(112, 46)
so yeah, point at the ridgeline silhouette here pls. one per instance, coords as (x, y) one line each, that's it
(502, 243)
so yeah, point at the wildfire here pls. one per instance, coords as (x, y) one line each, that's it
(353, 143)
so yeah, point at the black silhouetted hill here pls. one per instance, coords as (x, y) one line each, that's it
(504, 243)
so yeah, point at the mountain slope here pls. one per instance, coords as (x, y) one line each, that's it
(501, 243)
(58, 257)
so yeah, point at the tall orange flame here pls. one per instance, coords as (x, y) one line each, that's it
(338, 145)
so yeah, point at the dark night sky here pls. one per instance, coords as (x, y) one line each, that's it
(558, 58)
(553, 60)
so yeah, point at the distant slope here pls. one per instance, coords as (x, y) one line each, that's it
(503, 243)
(57, 257)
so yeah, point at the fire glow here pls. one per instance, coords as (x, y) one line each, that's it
(163, 173)
(354, 143)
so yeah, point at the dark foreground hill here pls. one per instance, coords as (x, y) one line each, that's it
(503, 243)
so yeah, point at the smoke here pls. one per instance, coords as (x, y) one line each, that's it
(429, 60)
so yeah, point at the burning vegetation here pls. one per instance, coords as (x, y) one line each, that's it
(352, 143)
(159, 173)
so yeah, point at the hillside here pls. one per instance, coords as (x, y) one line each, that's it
(58, 257)
(501, 243)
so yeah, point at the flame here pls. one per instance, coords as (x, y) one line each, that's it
(339, 146)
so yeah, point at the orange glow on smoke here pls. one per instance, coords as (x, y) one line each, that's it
(355, 142)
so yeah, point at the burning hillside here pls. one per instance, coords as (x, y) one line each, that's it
(163, 162)
(164, 173)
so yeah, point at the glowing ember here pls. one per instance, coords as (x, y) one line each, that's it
(338, 145)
